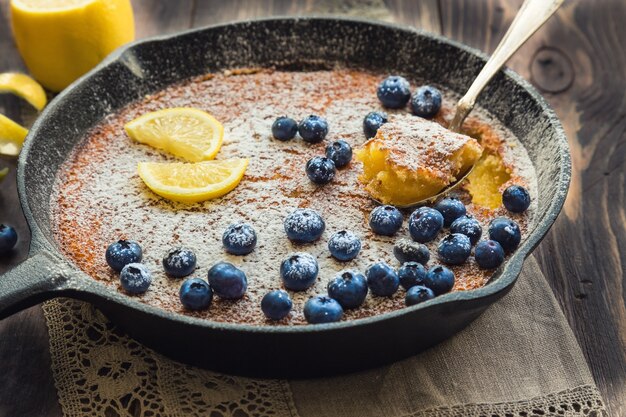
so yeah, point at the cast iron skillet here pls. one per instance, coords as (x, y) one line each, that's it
(301, 351)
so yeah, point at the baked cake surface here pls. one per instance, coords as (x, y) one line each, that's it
(99, 197)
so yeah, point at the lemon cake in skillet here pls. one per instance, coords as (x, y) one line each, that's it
(100, 198)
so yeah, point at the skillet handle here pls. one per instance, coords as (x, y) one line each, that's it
(36, 279)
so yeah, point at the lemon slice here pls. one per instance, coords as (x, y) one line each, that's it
(192, 182)
(25, 87)
(189, 133)
(11, 136)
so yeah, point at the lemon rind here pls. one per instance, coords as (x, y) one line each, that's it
(12, 136)
(192, 195)
(132, 128)
(24, 87)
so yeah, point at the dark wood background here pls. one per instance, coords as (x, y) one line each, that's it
(578, 61)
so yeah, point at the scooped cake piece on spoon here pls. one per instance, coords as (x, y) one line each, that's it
(411, 159)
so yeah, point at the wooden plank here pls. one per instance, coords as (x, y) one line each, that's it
(157, 17)
(215, 11)
(479, 23)
(210, 12)
(420, 14)
(577, 60)
(27, 383)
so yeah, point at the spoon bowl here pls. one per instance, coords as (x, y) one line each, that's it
(451, 187)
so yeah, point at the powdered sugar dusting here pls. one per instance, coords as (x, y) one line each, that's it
(137, 277)
(179, 257)
(99, 198)
(419, 144)
(302, 221)
(305, 264)
(240, 234)
(346, 241)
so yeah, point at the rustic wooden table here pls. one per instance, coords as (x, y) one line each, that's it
(578, 61)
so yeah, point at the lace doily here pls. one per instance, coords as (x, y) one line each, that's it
(98, 371)
(581, 401)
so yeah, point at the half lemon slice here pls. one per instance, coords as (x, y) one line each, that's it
(11, 136)
(192, 182)
(189, 133)
(25, 87)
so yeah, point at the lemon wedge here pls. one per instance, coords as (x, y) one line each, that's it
(11, 136)
(25, 87)
(60, 40)
(186, 132)
(192, 182)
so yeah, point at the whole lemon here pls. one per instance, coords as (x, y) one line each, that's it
(60, 40)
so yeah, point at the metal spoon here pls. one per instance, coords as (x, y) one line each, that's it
(529, 18)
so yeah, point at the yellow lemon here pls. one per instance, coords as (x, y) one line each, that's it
(60, 40)
(25, 87)
(192, 182)
(189, 133)
(11, 136)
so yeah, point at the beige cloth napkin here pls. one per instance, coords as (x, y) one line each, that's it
(519, 358)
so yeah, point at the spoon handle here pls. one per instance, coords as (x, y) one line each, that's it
(530, 17)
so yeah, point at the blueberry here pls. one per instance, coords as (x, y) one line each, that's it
(195, 294)
(506, 232)
(340, 152)
(227, 281)
(135, 278)
(382, 279)
(468, 226)
(122, 253)
(406, 250)
(426, 102)
(179, 262)
(424, 224)
(451, 209)
(344, 245)
(385, 220)
(372, 122)
(349, 288)
(439, 279)
(284, 128)
(394, 92)
(276, 304)
(8, 239)
(411, 274)
(516, 199)
(313, 129)
(239, 239)
(304, 226)
(299, 271)
(320, 170)
(489, 254)
(322, 309)
(418, 294)
(454, 249)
